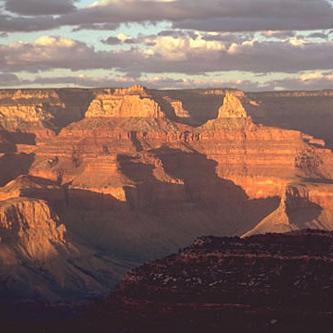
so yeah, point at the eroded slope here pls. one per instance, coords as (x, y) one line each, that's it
(129, 175)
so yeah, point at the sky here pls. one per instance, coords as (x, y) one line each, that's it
(253, 45)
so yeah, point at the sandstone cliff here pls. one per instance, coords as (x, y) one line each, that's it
(232, 107)
(223, 177)
(302, 206)
(39, 260)
(29, 227)
(131, 176)
(124, 103)
(178, 108)
(41, 112)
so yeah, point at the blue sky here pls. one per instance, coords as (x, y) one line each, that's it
(246, 44)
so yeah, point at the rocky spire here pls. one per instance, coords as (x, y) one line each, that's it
(232, 107)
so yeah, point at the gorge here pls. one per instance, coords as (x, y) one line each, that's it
(95, 182)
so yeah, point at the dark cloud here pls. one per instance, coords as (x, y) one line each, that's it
(102, 26)
(228, 38)
(178, 33)
(321, 82)
(213, 15)
(256, 15)
(40, 7)
(320, 35)
(9, 79)
(163, 82)
(82, 81)
(112, 41)
(26, 24)
(148, 40)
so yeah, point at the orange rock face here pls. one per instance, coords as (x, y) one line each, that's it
(178, 107)
(41, 112)
(132, 176)
(31, 228)
(124, 103)
(232, 107)
(40, 261)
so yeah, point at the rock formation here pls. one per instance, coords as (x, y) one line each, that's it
(128, 164)
(232, 107)
(302, 206)
(275, 283)
(40, 112)
(39, 261)
(29, 227)
(178, 108)
(306, 111)
(127, 173)
(124, 103)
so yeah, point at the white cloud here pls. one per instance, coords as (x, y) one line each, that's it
(191, 55)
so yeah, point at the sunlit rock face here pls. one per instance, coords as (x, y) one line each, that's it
(40, 261)
(30, 226)
(232, 107)
(124, 103)
(178, 108)
(302, 206)
(41, 112)
(129, 174)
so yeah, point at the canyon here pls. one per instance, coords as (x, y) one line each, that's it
(94, 182)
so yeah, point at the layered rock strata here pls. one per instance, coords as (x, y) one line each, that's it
(124, 103)
(133, 158)
(133, 179)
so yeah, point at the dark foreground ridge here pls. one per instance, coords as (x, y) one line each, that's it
(265, 283)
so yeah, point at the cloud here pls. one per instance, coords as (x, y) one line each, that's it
(97, 26)
(304, 81)
(121, 39)
(320, 35)
(112, 41)
(40, 7)
(257, 15)
(9, 79)
(212, 15)
(10, 23)
(278, 34)
(155, 82)
(162, 54)
(45, 53)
